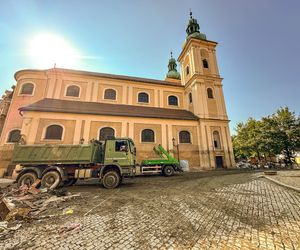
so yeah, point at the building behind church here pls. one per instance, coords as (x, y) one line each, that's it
(70, 107)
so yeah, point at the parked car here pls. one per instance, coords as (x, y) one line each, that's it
(244, 165)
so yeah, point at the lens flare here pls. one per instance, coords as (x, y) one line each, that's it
(46, 49)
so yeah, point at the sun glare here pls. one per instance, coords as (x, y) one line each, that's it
(46, 49)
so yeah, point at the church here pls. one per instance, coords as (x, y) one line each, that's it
(185, 112)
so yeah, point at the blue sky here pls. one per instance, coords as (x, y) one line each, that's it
(258, 51)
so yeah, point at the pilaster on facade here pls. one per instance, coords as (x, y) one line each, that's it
(192, 61)
(95, 91)
(206, 149)
(161, 97)
(58, 86)
(26, 126)
(86, 132)
(229, 147)
(50, 87)
(124, 129)
(156, 97)
(89, 91)
(130, 129)
(224, 145)
(31, 134)
(164, 140)
(124, 94)
(215, 63)
(77, 132)
(213, 69)
(170, 137)
(130, 95)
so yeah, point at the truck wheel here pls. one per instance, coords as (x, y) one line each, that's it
(168, 171)
(70, 182)
(51, 180)
(27, 179)
(111, 179)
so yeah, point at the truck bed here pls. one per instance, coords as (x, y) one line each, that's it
(57, 154)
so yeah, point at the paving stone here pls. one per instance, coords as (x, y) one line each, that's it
(252, 215)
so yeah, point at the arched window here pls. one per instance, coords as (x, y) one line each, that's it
(143, 97)
(190, 98)
(106, 132)
(54, 132)
(217, 141)
(187, 70)
(184, 137)
(205, 64)
(173, 100)
(210, 93)
(110, 94)
(147, 135)
(27, 89)
(14, 135)
(73, 91)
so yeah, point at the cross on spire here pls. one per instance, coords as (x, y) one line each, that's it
(191, 13)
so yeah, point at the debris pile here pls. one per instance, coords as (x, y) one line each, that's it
(25, 204)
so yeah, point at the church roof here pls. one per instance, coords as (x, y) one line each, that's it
(104, 75)
(96, 108)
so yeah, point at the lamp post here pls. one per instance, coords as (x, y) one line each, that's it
(177, 146)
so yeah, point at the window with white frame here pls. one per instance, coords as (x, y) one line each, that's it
(105, 133)
(147, 135)
(73, 91)
(27, 89)
(143, 97)
(184, 137)
(110, 94)
(173, 100)
(54, 132)
(14, 136)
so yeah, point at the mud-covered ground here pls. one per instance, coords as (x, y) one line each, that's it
(203, 210)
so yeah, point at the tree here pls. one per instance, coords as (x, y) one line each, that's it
(248, 142)
(274, 134)
(283, 132)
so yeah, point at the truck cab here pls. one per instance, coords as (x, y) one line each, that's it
(120, 153)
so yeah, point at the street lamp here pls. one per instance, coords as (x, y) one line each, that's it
(177, 146)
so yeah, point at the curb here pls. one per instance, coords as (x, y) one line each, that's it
(281, 183)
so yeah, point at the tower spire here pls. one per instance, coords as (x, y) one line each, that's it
(193, 29)
(172, 66)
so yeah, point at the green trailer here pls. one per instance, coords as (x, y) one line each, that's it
(165, 165)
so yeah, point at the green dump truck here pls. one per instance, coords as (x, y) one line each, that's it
(109, 161)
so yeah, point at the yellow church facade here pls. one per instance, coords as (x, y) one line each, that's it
(185, 113)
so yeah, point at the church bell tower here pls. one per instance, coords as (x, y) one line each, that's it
(204, 96)
(200, 74)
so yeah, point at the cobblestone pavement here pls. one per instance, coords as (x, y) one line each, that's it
(256, 214)
(291, 178)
